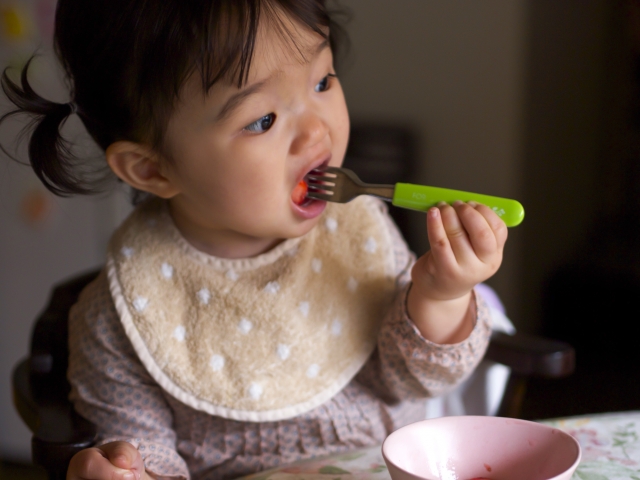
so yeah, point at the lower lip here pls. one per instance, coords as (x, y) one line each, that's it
(309, 210)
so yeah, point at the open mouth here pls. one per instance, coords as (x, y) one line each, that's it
(299, 193)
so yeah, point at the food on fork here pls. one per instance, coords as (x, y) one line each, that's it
(299, 194)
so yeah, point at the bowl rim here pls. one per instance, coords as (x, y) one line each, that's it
(573, 466)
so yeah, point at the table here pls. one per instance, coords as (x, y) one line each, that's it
(610, 445)
(610, 451)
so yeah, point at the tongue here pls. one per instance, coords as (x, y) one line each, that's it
(299, 193)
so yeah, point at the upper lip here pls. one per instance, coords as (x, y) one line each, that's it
(319, 162)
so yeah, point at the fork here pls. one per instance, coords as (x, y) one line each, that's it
(342, 185)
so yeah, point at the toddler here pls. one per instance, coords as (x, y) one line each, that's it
(234, 329)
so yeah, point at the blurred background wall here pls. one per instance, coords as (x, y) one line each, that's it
(518, 98)
(536, 100)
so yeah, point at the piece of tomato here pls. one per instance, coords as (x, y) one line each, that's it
(300, 192)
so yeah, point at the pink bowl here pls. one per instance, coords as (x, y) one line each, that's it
(470, 447)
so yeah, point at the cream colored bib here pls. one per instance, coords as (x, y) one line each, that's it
(258, 339)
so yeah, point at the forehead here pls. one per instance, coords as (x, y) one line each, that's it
(280, 42)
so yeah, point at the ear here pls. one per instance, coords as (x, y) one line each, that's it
(139, 166)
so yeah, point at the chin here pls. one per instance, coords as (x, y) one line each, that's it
(303, 228)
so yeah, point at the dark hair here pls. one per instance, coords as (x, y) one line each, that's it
(127, 60)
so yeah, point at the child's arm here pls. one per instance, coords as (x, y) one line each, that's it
(406, 365)
(111, 388)
(467, 241)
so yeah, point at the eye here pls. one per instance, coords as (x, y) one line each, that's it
(262, 124)
(323, 85)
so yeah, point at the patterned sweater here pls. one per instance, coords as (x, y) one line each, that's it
(111, 388)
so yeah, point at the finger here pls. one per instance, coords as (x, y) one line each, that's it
(92, 464)
(456, 233)
(440, 246)
(497, 224)
(124, 455)
(481, 236)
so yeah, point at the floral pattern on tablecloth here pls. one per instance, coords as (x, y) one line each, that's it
(365, 464)
(610, 445)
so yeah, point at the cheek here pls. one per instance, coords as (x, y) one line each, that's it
(249, 174)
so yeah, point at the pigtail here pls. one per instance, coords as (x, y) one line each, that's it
(50, 154)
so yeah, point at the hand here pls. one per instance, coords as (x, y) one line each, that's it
(467, 241)
(112, 461)
(466, 248)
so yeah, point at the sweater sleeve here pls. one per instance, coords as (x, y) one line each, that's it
(405, 365)
(111, 388)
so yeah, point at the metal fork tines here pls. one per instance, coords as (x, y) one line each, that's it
(342, 185)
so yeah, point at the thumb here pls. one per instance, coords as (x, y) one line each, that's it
(124, 455)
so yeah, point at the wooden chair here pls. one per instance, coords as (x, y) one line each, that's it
(40, 387)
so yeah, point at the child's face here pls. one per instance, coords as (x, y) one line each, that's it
(238, 154)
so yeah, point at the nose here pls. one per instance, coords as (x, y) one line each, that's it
(311, 130)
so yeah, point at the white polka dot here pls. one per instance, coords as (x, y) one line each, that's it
(352, 284)
(216, 362)
(204, 295)
(255, 391)
(316, 265)
(272, 287)
(167, 270)
(180, 333)
(127, 251)
(232, 275)
(283, 351)
(313, 370)
(370, 245)
(336, 327)
(245, 326)
(292, 251)
(331, 224)
(140, 303)
(304, 308)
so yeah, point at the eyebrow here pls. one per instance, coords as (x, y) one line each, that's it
(237, 98)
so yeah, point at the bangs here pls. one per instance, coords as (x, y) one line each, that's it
(229, 37)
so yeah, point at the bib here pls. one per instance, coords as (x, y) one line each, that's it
(256, 339)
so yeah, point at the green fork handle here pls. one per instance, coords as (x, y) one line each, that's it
(421, 197)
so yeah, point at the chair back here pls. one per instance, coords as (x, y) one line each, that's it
(40, 386)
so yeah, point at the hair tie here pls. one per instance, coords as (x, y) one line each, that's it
(73, 107)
